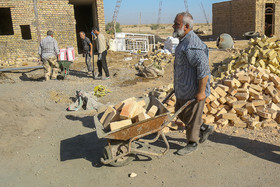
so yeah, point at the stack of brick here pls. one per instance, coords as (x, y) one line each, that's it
(262, 52)
(126, 113)
(247, 100)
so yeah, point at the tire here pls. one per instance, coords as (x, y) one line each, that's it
(120, 162)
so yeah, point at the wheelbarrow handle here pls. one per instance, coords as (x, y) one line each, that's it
(168, 96)
(171, 118)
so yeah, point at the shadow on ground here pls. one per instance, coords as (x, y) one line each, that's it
(79, 74)
(87, 120)
(259, 149)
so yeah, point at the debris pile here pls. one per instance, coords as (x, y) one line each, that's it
(262, 52)
(247, 99)
(152, 65)
(126, 113)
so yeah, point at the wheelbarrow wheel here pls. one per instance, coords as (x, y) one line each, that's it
(116, 151)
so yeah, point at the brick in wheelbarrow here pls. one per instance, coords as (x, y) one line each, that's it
(153, 111)
(120, 124)
(128, 109)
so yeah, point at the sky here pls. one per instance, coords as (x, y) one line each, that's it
(130, 10)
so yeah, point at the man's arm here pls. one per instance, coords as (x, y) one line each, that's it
(201, 89)
(90, 45)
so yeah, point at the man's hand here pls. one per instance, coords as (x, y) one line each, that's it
(99, 56)
(200, 96)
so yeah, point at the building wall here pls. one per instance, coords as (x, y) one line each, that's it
(260, 16)
(55, 15)
(234, 17)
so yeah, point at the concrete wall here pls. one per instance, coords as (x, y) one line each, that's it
(56, 15)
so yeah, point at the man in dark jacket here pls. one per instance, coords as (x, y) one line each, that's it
(87, 51)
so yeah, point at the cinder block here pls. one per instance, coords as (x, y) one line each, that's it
(153, 111)
(120, 124)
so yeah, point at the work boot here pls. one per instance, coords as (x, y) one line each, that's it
(191, 147)
(205, 133)
(106, 78)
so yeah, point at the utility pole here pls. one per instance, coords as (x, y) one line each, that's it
(159, 12)
(186, 5)
(139, 24)
(37, 20)
(204, 12)
(116, 12)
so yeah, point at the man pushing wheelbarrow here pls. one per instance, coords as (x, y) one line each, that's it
(191, 87)
(191, 81)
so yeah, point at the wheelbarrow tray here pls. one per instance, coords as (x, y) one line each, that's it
(135, 129)
(64, 66)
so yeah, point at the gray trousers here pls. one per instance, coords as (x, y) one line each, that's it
(90, 65)
(192, 117)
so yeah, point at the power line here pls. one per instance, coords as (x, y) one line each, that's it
(186, 5)
(116, 12)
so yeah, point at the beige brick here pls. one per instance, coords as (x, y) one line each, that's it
(256, 87)
(251, 108)
(222, 100)
(242, 90)
(223, 87)
(153, 111)
(209, 119)
(242, 96)
(120, 124)
(221, 92)
(229, 83)
(213, 111)
(170, 102)
(205, 110)
(257, 103)
(128, 109)
(231, 100)
(241, 111)
(229, 116)
(244, 79)
(257, 81)
(222, 122)
(272, 91)
(236, 82)
(143, 116)
(263, 114)
(275, 79)
(215, 94)
(232, 91)
(271, 124)
(239, 123)
(238, 104)
(254, 93)
(219, 114)
(211, 97)
(276, 99)
(215, 104)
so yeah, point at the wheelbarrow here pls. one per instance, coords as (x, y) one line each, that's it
(120, 149)
(64, 67)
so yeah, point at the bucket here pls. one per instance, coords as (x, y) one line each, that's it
(70, 53)
(62, 54)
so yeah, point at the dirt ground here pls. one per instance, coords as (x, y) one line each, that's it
(42, 144)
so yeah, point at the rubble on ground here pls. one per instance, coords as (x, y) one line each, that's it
(262, 52)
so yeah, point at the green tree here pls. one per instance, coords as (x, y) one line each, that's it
(110, 28)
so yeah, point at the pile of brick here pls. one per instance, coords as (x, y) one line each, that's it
(248, 99)
(262, 52)
(126, 113)
(159, 58)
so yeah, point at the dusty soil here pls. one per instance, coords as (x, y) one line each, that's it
(41, 144)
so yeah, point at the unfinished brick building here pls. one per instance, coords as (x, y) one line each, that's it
(23, 23)
(237, 17)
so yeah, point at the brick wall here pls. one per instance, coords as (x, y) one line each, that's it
(234, 17)
(56, 15)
